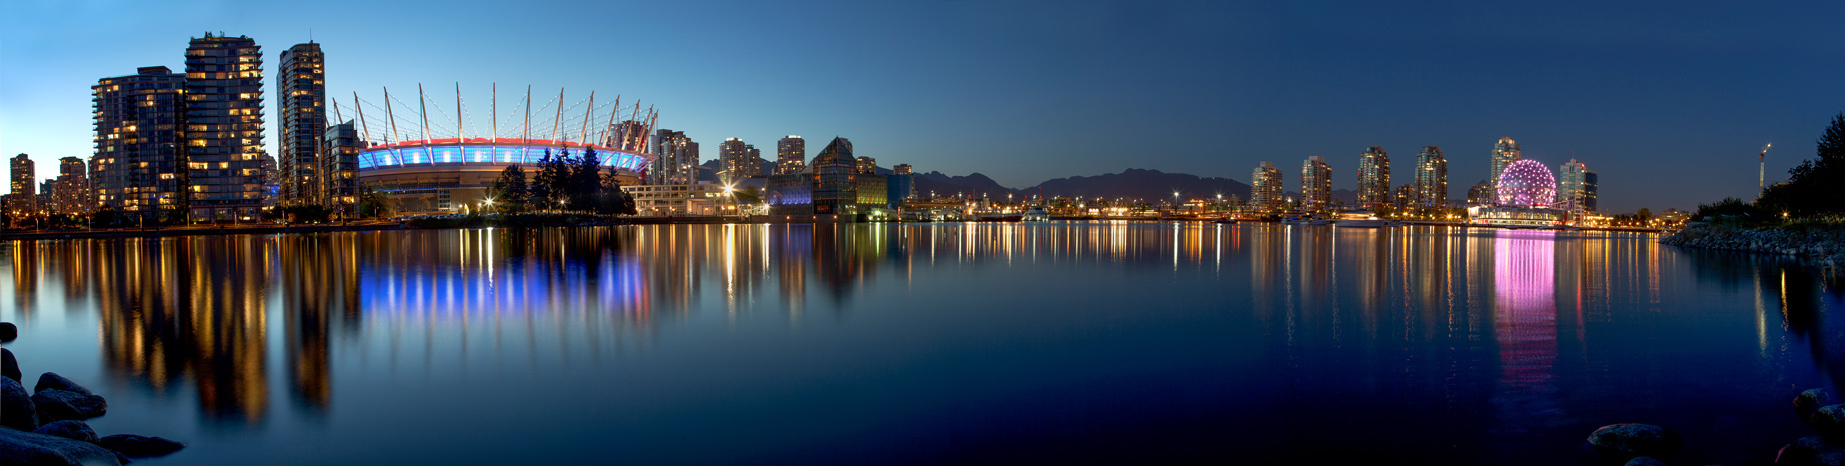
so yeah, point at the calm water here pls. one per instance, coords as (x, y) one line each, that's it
(1083, 342)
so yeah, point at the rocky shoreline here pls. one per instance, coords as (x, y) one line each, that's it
(46, 426)
(1824, 246)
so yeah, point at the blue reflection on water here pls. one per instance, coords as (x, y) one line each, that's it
(1070, 342)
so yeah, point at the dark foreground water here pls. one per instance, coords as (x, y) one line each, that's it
(943, 343)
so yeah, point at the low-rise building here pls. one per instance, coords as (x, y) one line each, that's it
(677, 200)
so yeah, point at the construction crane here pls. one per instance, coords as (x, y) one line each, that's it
(1761, 174)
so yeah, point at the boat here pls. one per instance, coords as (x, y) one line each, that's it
(1035, 214)
(1358, 219)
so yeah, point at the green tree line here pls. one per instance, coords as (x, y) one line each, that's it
(563, 182)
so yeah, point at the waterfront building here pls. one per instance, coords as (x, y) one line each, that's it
(831, 188)
(1315, 184)
(1524, 196)
(737, 160)
(302, 91)
(902, 184)
(790, 155)
(867, 165)
(140, 162)
(678, 158)
(1431, 178)
(24, 176)
(227, 174)
(1480, 194)
(677, 200)
(1505, 153)
(1373, 178)
(1265, 188)
(71, 189)
(339, 167)
(1576, 189)
(1405, 197)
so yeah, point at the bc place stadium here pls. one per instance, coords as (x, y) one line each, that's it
(425, 159)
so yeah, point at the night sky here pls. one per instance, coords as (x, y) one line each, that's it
(1669, 102)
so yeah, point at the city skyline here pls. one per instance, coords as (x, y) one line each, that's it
(1607, 89)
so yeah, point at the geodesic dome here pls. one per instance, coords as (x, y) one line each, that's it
(1526, 183)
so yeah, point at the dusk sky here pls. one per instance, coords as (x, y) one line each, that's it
(1669, 102)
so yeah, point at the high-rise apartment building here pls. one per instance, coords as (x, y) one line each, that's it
(1431, 178)
(1505, 153)
(676, 159)
(790, 155)
(902, 183)
(224, 127)
(140, 162)
(339, 168)
(1373, 178)
(737, 160)
(301, 88)
(1315, 184)
(1405, 197)
(1265, 188)
(1576, 188)
(628, 136)
(867, 166)
(25, 178)
(71, 190)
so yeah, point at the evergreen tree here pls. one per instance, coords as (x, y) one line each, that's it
(613, 200)
(584, 186)
(510, 193)
(551, 186)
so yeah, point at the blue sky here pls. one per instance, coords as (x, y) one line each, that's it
(1668, 104)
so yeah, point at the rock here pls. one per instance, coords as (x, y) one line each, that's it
(1830, 420)
(28, 448)
(62, 405)
(1645, 461)
(1807, 403)
(1831, 458)
(139, 446)
(9, 367)
(1811, 450)
(1627, 440)
(74, 430)
(16, 409)
(53, 381)
(8, 332)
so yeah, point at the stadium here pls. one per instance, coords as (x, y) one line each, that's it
(429, 161)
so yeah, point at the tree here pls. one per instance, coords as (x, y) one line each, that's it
(372, 203)
(1644, 215)
(613, 200)
(510, 193)
(1810, 187)
(584, 188)
(553, 180)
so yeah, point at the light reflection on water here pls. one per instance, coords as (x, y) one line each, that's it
(1083, 341)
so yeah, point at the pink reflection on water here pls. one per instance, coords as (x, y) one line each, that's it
(1525, 326)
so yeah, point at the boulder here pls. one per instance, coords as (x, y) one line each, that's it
(74, 430)
(1830, 420)
(1811, 450)
(1645, 461)
(63, 405)
(8, 332)
(140, 446)
(1807, 403)
(16, 409)
(9, 367)
(27, 448)
(1629, 440)
(53, 381)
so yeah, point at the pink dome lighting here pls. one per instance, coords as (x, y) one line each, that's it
(1526, 183)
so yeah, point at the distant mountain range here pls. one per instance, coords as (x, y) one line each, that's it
(1133, 183)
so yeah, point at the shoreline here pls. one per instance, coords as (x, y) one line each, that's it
(1824, 246)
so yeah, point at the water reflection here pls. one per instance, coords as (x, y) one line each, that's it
(1503, 336)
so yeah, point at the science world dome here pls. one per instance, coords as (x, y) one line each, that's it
(1526, 183)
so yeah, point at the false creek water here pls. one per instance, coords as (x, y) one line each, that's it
(931, 343)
